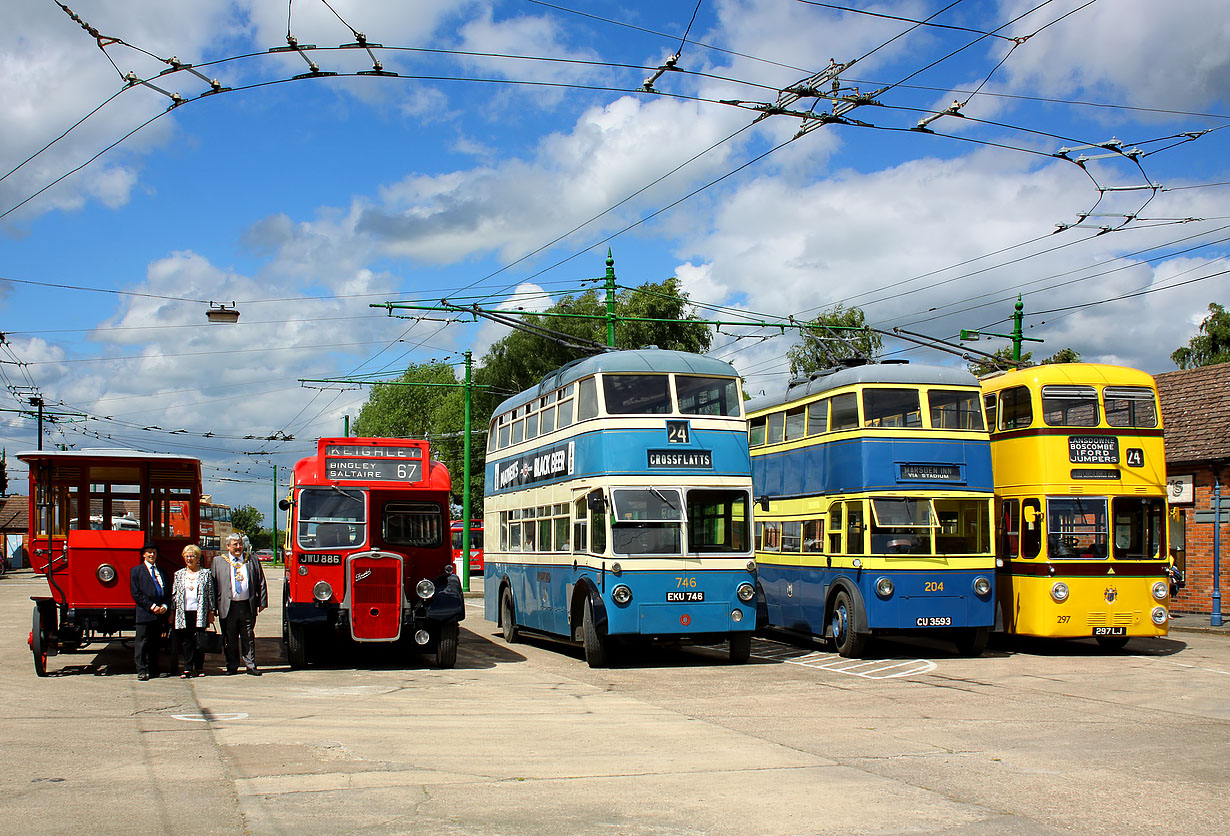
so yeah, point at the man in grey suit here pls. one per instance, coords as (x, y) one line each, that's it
(240, 582)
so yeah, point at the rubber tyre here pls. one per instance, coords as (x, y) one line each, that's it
(446, 645)
(296, 646)
(1112, 642)
(508, 617)
(38, 644)
(740, 648)
(847, 642)
(971, 641)
(595, 645)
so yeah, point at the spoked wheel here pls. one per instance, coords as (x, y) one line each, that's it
(508, 617)
(296, 645)
(446, 645)
(740, 647)
(1112, 642)
(848, 643)
(595, 643)
(38, 643)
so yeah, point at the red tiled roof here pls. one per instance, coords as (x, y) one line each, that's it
(15, 514)
(1196, 413)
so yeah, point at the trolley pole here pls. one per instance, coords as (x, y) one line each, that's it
(465, 482)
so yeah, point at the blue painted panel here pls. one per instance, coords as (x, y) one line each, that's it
(795, 597)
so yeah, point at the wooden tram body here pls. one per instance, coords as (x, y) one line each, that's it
(91, 511)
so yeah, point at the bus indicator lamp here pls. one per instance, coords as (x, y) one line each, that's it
(422, 637)
(616, 569)
(302, 570)
(1160, 590)
(982, 587)
(751, 566)
(425, 590)
(1060, 592)
(746, 592)
(1159, 616)
(736, 615)
(621, 594)
(884, 587)
(322, 591)
(106, 573)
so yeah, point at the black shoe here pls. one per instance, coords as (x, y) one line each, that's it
(231, 671)
(143, 676)
(254, 672)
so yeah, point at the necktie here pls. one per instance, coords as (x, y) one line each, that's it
(157, 583)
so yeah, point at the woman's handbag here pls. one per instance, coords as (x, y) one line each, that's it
(210, 641)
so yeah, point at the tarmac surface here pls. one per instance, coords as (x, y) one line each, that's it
(1037, 739)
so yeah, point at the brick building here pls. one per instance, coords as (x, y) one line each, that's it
(14, 516)
(1196, 414)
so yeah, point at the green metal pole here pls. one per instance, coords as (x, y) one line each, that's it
(276, 552)
(346, 426)
(1017, 335)
(465, 485)
(610, 298)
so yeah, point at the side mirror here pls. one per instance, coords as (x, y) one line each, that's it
(594, 501)
(1030, 515)
(284, 504)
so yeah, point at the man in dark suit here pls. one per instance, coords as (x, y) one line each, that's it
(240, 583)
(151, 592)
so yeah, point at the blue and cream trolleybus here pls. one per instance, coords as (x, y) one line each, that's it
(875, 499)
(618, 505)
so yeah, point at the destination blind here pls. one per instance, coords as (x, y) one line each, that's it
(373, 463)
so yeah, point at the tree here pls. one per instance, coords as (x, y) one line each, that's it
(822, 346)
(521, 359)
(1063, 355)
(1211, 344)
(247, 520)
(431, 407)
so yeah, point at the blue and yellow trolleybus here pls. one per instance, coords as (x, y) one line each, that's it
(618, 505)
(1080, 494)
(874, 516)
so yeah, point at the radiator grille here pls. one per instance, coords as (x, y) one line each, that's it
(375, 598)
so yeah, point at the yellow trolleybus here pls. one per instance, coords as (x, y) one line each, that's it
(1080, 500)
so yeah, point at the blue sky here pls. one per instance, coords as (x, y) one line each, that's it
(511, 124)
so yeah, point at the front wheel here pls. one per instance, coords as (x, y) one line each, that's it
(848, 643)
(973, 640)
(740, 648)
(446, 645)
(595, 644)
(38, 643)
(508, 616)
(296, 645)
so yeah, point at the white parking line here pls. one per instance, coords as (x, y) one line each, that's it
(895, 668)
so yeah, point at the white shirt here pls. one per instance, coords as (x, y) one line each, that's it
(191, 581)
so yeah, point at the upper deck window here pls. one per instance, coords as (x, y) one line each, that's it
(817, 417)
(891, 408)
(1070, 406)
(637, 394)
(329, 518)
(709, 396)
(1130, 406)
(1016, 409)
(845, 412)
(565, 407)
(587, 399)
(777, 423)
(796, 420)
(954, 409)
(419, 524)
(755, 431)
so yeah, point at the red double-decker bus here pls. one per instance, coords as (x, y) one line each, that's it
(368, 556)
(90, 513)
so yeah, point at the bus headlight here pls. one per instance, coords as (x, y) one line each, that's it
(746, 592)
(736, 615)
(1160, 590)
(322, 591)
(106, 573)
(621, 594)
(982, 586)
(1159, 616)
(1060, 592)
(425, 589)
(884, 587)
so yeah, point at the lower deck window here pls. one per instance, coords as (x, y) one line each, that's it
(418, 524)
(1076, 528)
